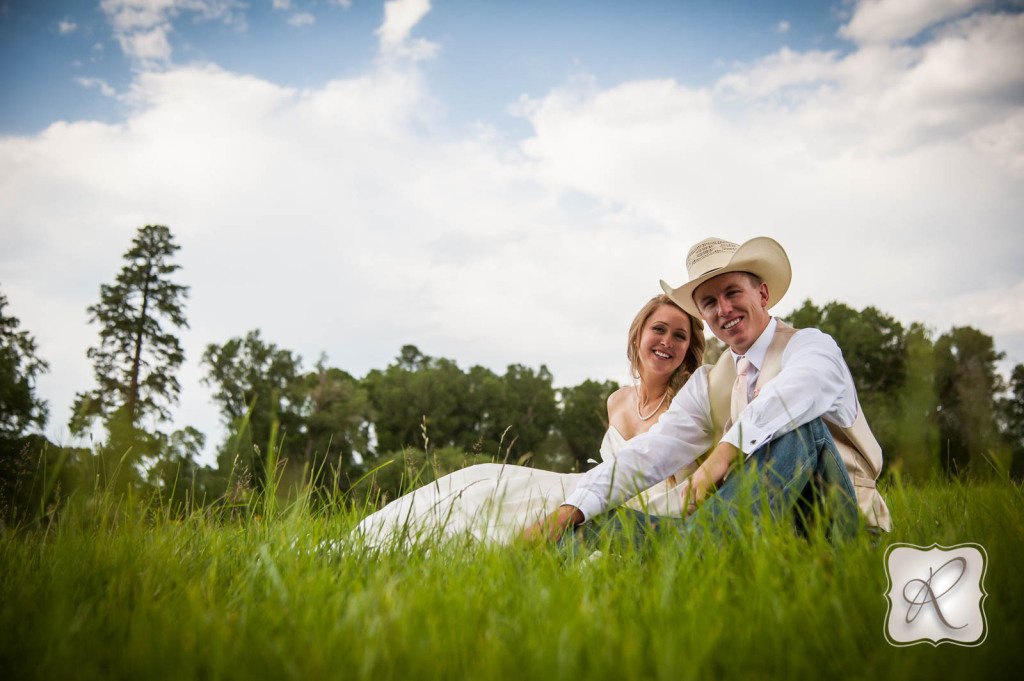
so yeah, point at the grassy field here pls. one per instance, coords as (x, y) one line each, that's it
(109, 590)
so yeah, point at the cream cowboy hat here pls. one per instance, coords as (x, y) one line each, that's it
(761, 256)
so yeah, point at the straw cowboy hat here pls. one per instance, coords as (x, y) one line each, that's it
(760, 256)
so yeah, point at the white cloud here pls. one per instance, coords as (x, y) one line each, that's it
(779, 72)
(66, 26)
(1004, 140)
(889, 21)
(782, 27)
(325, 182)
(141, 27)
(301, 19)
(148, 46)
(400, 17)
(282, 4)
(886, 99)
(344, 4)
(130, 15)
(995, 315)
(332, 218)
(98, 83)
(883, 172)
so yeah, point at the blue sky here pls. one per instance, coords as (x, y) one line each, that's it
(491, 51)
(502, 182)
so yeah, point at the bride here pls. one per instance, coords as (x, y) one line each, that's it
(494, 502)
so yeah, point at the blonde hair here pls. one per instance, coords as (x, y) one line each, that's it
(694, 353)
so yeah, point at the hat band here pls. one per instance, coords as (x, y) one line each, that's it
(713, 269)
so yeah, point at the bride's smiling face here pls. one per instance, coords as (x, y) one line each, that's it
(663, 343)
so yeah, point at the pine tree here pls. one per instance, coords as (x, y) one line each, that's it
(135, 361)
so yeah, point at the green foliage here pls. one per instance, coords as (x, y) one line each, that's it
(928, 404)
(288, 427)
(476, 411)
(35, 477)
(914, 449)
(414, 388)
(1012, 416)
(260, 391)
(137, 357)
(871, 341)
(115, 590)
(24, 491)
(713, 350)
(527, 410)
(874, 346)
(967, 387)
(336, 419)
(584, 420)
(20, 408)
(177, 477)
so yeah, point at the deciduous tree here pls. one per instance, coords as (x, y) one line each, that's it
(336, 415)
(529, 410)
(967, 386)
(584, 420)
(21, 410)
(1012, 415)
(417, 392)
(20, 407)
(252, 374)
(874, 347)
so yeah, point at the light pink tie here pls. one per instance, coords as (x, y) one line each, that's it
(739, 388)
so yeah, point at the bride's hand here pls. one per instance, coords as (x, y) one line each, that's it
(553, 526)
(689, 496)
(705, 479)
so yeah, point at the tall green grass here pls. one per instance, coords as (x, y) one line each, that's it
(113, 588)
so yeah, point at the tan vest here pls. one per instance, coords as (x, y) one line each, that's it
(857, 445)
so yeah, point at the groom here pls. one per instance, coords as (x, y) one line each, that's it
(781, 401)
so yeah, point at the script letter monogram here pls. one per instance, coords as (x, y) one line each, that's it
(925, 595)
(935, 594)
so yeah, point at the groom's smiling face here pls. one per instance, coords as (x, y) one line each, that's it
(735, 307)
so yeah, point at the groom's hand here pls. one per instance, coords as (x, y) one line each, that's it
(552, 527)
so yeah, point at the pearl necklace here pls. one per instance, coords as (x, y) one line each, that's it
(645, 418)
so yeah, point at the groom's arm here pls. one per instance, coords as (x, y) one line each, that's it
(554, 525)
(703, 482)
(814, 382)
(682, 434)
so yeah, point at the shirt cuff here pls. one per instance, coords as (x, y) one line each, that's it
(588, 503)
(745, 437)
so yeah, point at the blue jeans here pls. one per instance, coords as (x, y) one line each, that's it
(789, 475)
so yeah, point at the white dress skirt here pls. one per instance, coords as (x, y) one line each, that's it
(494, 502)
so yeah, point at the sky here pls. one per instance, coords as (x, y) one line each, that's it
(501, 182)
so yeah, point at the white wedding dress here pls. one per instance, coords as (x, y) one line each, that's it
(495, 502)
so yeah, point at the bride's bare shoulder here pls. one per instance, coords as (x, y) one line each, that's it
(619, 401)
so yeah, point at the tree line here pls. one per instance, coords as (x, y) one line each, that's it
(936, 405)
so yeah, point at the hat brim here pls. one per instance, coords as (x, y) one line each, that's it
(761, 256)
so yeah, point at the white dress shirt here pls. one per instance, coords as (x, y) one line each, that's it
(813, 381)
